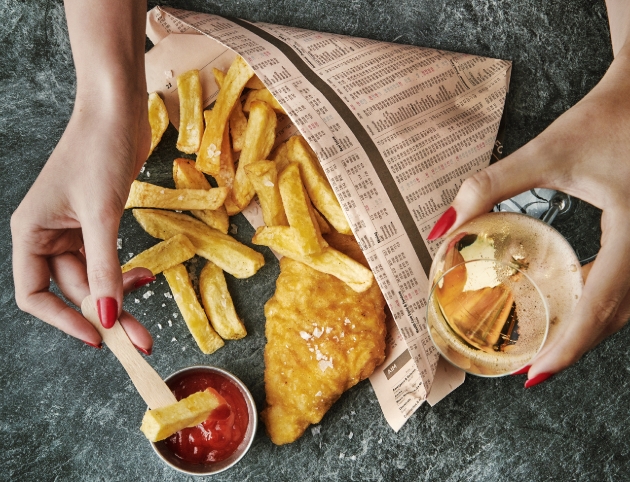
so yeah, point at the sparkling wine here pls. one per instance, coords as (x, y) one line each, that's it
(500, 284)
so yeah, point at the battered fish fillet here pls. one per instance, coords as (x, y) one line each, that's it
(322, 339)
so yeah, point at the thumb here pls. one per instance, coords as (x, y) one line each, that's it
(104, 275)
(517, 173)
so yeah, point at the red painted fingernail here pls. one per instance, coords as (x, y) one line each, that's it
(146, 352)
(443, 224)
(541, 377)
(107, 311)
(143, 281)
(98, 347)
(522, 371)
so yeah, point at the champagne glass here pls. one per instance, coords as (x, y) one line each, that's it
(501, 286)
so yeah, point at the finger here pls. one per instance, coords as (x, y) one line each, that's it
(621, 319)
(32, 277)
(69, 272)
(100, 234)
(137, 333)
(523, 170)
(606, 287)
(136, 278)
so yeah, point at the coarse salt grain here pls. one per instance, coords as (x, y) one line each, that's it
(168, 295)
(119, 243)
(136, 300)
(147, 295)
(170, 323)
(159, 326)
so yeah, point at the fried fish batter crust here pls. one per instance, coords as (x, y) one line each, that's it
(322, 339)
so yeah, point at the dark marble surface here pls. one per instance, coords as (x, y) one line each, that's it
(68, 412)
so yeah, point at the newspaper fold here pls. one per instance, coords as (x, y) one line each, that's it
(397, 129)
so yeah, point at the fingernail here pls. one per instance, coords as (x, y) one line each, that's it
(146, 352)
(107, 311)
(143, 281)
(541, 377)
(522, 371)
(443, 224)
(98, 347)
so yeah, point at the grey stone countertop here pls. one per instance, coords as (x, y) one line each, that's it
(68, 411)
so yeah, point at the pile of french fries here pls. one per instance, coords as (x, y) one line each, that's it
(297, 202)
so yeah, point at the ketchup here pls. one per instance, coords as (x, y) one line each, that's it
(220, 434)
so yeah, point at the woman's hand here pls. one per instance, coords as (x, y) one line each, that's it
(67, 225)
(585, 153)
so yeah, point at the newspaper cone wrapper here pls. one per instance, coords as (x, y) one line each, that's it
(397, 129)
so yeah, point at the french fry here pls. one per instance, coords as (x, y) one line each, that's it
(145, 195)
(186, 176)
(283, 240)
(264, 178)
(158, 119)
(280, 156)
(316, 184)
(259, 138)
(265, 96)
(190, 108)
(239, 73)
(223, 250)
(253, 83)
(298, 211)
(163, 255)
(238, 126)
(218, 303)
(324, 227)
(225, 176)
(192, 312)
(162, 422)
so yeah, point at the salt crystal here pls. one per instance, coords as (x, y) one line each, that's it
(317, 332)
(170, 323)
(174, 339)
(148, 174)
(350, 435)
(180, 198)
(316, 430)
(325, 364)
(380, 440)
(328, 329)
(342, 455)
(305, 335)
(119, 243)
(143, 167)
(268, 183)
(136, 300)
(346, 321)
(130, 255)
(174, 315)
(318, 394)
(161, 191)
(354, 457)
(212, 147)
(168, 295)
(163, 305)
(147, 295)
(159, 326)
